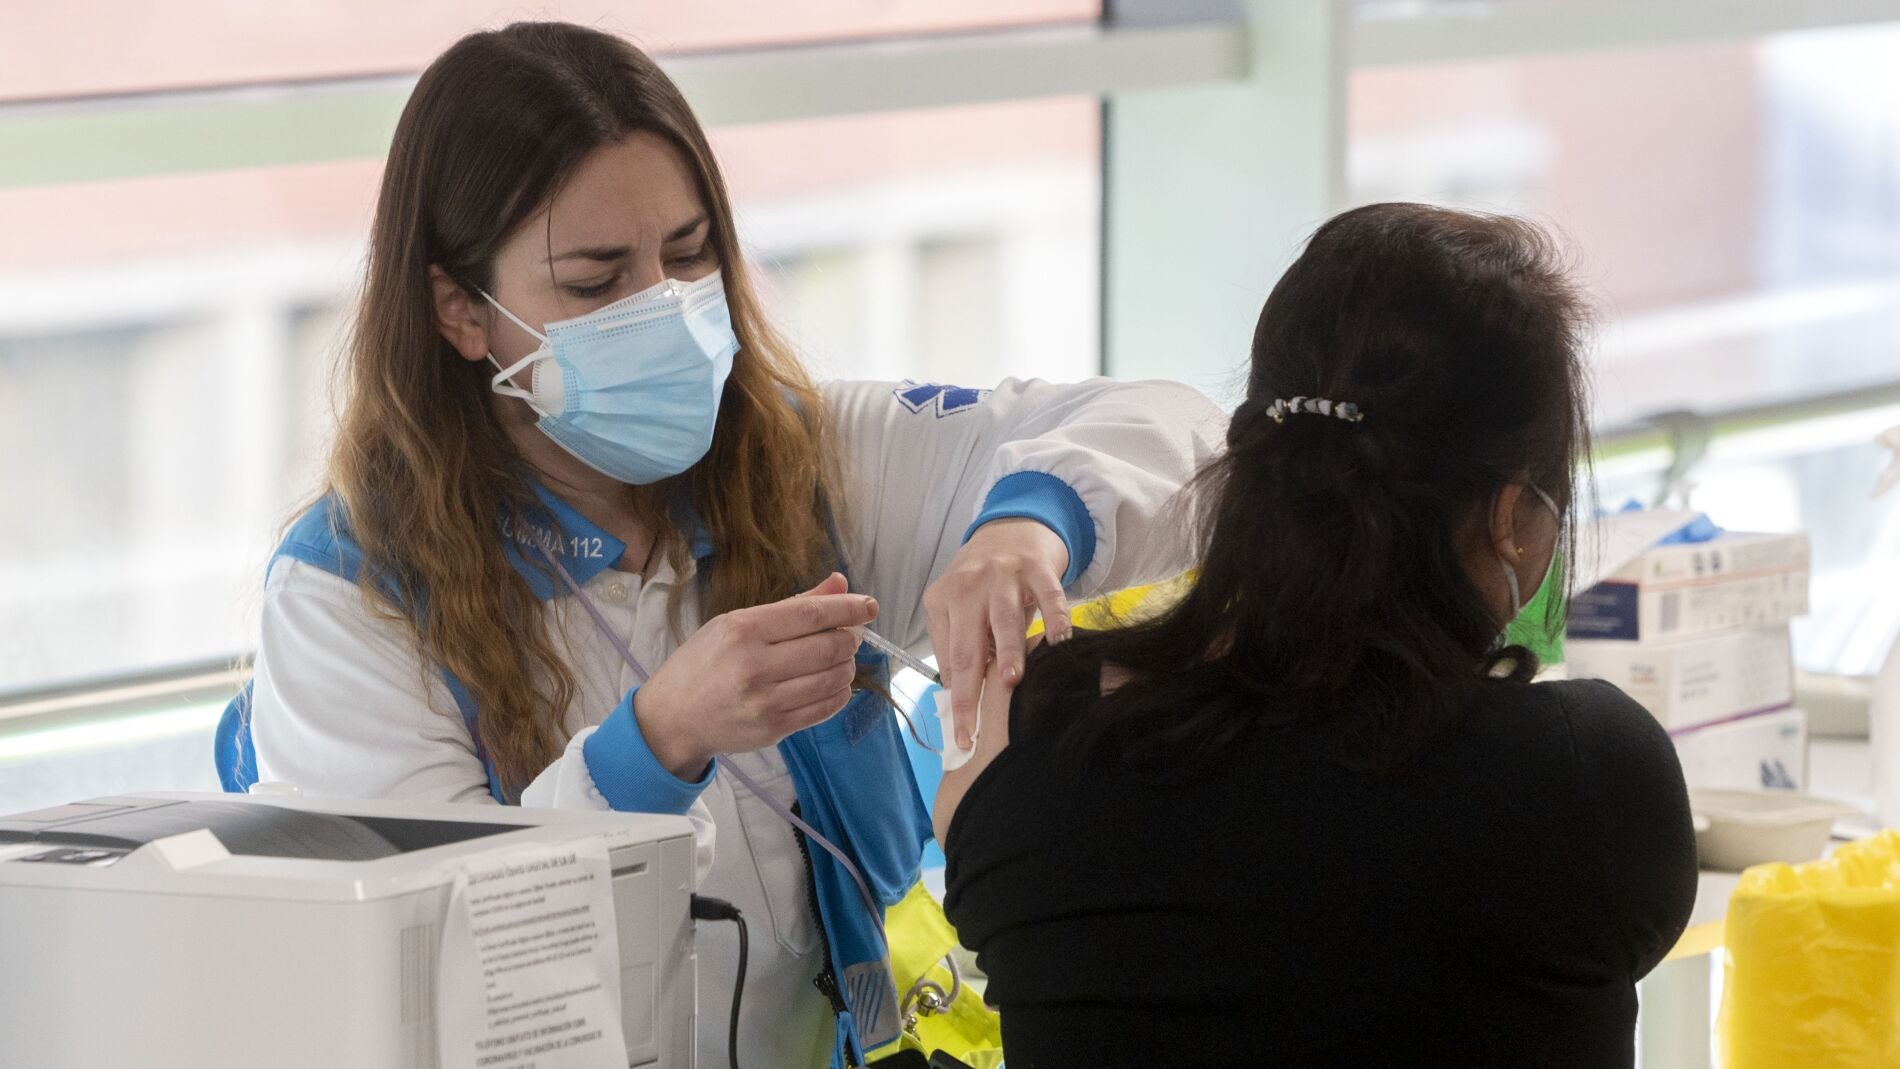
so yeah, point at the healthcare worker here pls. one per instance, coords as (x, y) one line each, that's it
(577, 483)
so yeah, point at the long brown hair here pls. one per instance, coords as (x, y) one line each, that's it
(1332, 586)
(422, 469)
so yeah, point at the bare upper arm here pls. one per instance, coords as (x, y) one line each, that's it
(992, 738)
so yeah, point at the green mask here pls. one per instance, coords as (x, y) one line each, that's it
(1532, 628)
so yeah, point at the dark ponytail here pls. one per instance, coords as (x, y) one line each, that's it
(1332, 584)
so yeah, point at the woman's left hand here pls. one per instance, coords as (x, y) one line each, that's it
(979, 609)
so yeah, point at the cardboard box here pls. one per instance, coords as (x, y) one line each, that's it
(1735, 582)
(1747, 754)
(1696, 680)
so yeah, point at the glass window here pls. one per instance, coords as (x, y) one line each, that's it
(1735, 206)
(167, 344)
(166, 749)
(960, 244)
(52, 51)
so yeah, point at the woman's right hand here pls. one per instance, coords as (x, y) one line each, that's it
(748, 678)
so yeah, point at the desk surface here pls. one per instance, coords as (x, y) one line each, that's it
(1704, 933)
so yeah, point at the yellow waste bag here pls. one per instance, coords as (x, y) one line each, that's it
(920, 940)
(1813, 974)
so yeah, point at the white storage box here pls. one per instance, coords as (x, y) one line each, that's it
(1734, 582)
(1766, 750)
(1742, 828)
(1694, 681)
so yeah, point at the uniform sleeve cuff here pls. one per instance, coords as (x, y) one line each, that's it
(1048, 500)
(626, 772)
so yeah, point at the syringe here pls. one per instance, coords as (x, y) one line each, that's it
(898, 653)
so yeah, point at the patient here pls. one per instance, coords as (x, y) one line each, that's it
(1316, 813)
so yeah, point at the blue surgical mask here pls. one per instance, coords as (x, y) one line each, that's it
(632, 389)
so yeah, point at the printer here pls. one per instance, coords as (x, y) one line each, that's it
(162, 930)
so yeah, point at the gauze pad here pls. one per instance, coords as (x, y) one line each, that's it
(953, 756)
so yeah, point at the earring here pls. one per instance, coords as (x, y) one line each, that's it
(1520, 551)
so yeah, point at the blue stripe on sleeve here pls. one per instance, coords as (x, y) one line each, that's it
(1048, 500)
(628, 775)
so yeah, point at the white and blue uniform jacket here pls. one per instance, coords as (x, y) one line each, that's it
(343, 703)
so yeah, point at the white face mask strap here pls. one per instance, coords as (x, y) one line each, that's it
(1510, 579)
(502, 382)
(1549, 502)
(1510, 569)
(515, 319)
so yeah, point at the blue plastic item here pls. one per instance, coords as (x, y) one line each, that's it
(1700, 529)
(926, 766)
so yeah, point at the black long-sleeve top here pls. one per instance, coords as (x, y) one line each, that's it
(1493, 903)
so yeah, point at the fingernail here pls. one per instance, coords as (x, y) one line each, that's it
(1013, 675)
(870, 605)
(963, 740)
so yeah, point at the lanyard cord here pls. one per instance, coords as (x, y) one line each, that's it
(600, 621)
(778, 808)
(789, 817)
